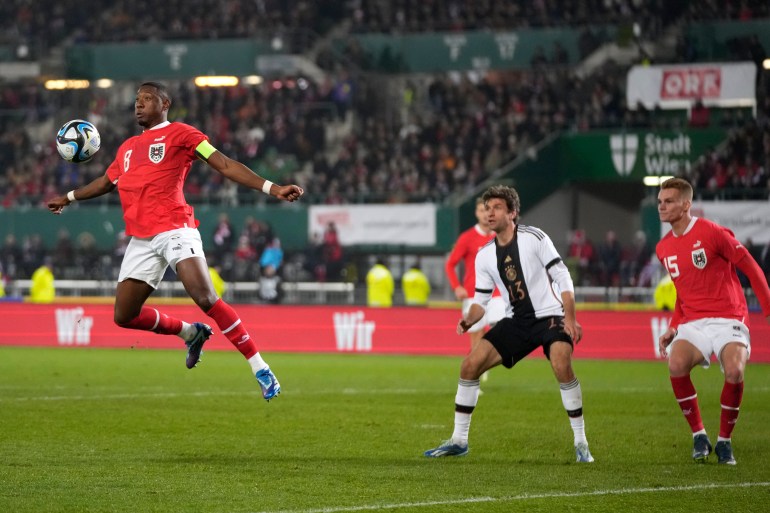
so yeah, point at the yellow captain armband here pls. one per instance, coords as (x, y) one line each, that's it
(205, 149)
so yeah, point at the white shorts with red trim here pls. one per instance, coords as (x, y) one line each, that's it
(146, 259)
(711, 335)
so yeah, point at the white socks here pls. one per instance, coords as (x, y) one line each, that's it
(465, 401)
(188, 331)
(257, 363)
(572, 399)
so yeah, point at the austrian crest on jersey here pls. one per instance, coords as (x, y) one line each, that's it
(699, 258)
(157, 152)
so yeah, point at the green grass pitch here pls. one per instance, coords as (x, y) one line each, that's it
(85, 430)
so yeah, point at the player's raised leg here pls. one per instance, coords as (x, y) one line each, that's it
(131, 313)
(560, 355)
(194, 274)
(683, 357)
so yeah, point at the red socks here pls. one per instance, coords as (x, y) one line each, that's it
(230, 325)
(149, 319)
(732, 394)
(685, 394)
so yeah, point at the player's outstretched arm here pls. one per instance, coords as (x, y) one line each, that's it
(241, 174)
(97, 187)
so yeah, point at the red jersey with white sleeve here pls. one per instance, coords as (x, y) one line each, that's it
(149, 171)
(702, 263)
(468, 244)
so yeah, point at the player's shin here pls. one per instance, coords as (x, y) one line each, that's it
(150, 319)
(732, 395)
(685, 394)
(465, 402)
(232, 328)
(572, 399)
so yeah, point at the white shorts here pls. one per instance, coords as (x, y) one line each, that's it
(146, 259)
(495, 311)
(711, 335)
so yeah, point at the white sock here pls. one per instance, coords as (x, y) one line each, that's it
(187, 332)
(572, 399)
(257, 363)
(466, 399)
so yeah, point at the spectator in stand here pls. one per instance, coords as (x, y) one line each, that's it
(581, 257)
(331, 253)
(610, 255)
(700, 115)
(272, 256)
(11, 257)
(635, 259)
(223, 237)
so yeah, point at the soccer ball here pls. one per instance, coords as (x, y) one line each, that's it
(78, 141)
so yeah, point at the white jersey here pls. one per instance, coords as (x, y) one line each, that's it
(528, 272)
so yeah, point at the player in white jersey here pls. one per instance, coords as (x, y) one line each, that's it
(540, 311)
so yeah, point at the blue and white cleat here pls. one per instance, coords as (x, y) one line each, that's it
(195, 346)
(268, 383)
(448, 448)
(701, 448)
(583, 454)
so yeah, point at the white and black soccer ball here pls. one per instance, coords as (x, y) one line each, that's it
(78, 141)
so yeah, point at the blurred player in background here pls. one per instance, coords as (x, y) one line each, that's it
(149, 171)
(467, 245)
(540, 312)
(710, 313)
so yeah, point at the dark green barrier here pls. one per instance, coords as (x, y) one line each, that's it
(720, 40)
(289, 223)
(165, 59)
(447, 51)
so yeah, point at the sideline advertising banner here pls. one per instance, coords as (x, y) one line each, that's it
(338, 329)
(410, 225)
(746, 219)
(677, 86)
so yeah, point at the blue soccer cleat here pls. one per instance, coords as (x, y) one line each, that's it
(724, 451)
(448, 448)
(268, 383)
(195, 346)
(701, 448)
(583, 454)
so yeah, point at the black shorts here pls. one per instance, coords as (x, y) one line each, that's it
(516, 338)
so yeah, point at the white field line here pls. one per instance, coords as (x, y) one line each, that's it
(522, 497)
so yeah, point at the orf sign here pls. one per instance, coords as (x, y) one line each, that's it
(691, 83)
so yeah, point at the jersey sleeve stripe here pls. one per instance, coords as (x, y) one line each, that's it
(485, 291)
(532, 230)
(553, 263)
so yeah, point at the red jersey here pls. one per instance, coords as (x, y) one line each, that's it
(702, 265)
(149, 170)
(468, 244)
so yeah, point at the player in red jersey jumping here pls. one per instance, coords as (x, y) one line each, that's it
(710, 316)
(149, 171)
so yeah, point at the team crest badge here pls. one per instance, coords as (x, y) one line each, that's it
(510, 272)
(699, 258)
(157, 152)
